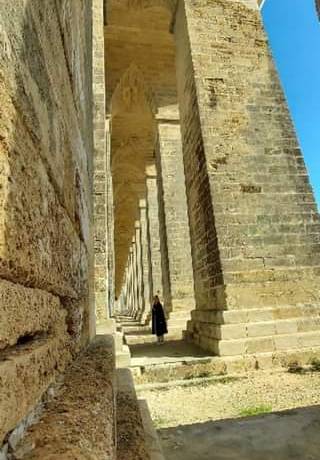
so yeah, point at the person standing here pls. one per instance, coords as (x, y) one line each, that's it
(159, 324)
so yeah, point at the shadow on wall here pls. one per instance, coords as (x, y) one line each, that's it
(45, 194)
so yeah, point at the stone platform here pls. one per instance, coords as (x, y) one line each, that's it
(179, 360)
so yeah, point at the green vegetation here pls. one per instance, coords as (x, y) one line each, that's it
(258, 410)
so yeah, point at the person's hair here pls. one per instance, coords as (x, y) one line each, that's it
(156, 297)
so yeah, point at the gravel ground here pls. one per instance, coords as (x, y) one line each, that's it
(219, 400)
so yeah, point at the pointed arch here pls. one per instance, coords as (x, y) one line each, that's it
(131, 91)
(169, 5)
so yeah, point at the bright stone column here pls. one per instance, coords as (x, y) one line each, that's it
(140, 296)
(145, 258)
(154, 233)
(174, 224)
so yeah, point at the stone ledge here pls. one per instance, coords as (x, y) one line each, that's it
(221, 366)
(152, 440)
(130, 430)
(79, 423)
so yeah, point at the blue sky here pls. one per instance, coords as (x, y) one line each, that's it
(294, 34)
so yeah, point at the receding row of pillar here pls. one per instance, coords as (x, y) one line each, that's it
(159, 261)
(250, 212)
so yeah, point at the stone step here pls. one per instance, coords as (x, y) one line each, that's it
(180, 314)
(174, 334)
(118, 339)
(256, 345)
(135, 329)
(123, 357)
(254, 314)
(256, 329)
(175, 323)
(130, 324)
(210, 366)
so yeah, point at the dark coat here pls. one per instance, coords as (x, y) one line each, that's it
(159, 324)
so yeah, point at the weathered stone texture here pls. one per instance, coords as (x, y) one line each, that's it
(145, 261)
(68, 429)
(45, 196)
(254, 221)
(25, 373)
(100, 165)
(174, 225)
(154, 235)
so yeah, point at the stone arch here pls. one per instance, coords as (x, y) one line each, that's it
(131, 90)
(128, 172)
(169, 5)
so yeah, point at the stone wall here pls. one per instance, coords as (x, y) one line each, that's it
(45, 194)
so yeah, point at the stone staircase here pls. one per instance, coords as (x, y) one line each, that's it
(252, 331)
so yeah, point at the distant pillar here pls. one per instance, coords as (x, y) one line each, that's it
(132, 298)
(140, 297)
(174, 225)
(145, 259)
(135, 277)
(155, 280)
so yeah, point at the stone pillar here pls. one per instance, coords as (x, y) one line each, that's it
(140, 298)
(145, 258)
(110, 227)
(155, 280)
(253, 218)
(100, 172)
(174, 225)
(134, 279)
(130, 284)
(125, 291)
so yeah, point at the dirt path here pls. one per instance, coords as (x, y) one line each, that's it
(229, 398)
(185, 418)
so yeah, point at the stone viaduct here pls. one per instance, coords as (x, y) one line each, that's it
(146, 147)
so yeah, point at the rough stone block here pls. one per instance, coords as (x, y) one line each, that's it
(259, 345)
(27, 312)
(261, 329)
(67, 428)
(231, 347)
(289, 326)
(25, 374)
(234, 331)
(286, 342)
